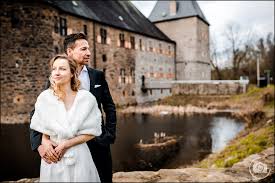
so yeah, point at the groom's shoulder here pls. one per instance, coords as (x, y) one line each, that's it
(95, 71)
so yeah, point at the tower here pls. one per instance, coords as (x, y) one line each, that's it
(184, 22)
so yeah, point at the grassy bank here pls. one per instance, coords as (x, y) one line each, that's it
(256, 107)
(242, 146)
(254, 98)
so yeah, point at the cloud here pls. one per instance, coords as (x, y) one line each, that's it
(256, 17)
(145, 6)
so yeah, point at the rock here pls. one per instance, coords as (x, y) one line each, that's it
(239, 172)
(30, 180)
(137, 176)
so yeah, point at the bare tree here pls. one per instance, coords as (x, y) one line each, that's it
(214, 57)
(239, 43)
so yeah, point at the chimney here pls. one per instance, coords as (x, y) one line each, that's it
(173, 7)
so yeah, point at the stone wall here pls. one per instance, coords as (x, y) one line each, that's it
(155, 66)
(208, 88)
(26, 47)
(116, 58)
(145, 58)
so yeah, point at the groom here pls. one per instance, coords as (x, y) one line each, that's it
(76, 47)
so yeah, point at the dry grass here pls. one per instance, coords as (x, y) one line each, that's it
(256, 99)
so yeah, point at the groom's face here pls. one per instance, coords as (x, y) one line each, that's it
(80, 52)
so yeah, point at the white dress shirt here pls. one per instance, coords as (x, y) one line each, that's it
(84, 79)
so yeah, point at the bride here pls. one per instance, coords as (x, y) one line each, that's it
(69, 117)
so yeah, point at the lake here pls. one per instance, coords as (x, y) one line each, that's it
(200, 135)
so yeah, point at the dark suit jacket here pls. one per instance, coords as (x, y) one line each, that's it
(104, 99)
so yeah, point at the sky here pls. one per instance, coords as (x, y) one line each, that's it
(257, 17)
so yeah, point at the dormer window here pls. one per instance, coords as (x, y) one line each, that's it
(120, 18)
(74, 3)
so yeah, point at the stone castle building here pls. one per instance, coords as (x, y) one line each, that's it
(124, 44)
(184, 22)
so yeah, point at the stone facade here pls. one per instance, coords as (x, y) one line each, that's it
(31, 36)
(156, 65)
(192, 53)
(124, 66)
(26, 48)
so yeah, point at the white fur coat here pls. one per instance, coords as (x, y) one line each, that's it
(51, 118)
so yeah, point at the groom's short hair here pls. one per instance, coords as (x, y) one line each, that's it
(71, 38)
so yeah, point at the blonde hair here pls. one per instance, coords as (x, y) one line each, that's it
(75, 83)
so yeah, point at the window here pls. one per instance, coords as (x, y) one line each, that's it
(63, 26)
(104, 57)
(122, 40)
(122, 76)
(103, 35)
(104, 70)
(56, 50)
(132, 72)
(150, 46)
(85, 29)
(160, 49)
(133, 93)
(140, 44)
(132, 40)
(15, 21)
(56, 25)
(169, 50)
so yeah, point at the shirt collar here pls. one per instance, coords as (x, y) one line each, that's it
(84, 69)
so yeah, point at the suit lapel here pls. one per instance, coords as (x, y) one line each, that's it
(91, 73)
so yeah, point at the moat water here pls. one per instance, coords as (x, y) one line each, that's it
(200, 135)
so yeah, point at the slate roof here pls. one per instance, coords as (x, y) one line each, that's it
(185, 9)
(119, 14)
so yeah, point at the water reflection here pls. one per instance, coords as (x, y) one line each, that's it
(200, 134)
(222, 131)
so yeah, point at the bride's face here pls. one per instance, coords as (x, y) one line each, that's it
(61, 73)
